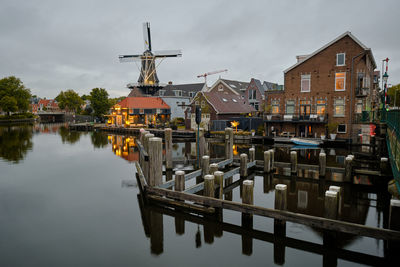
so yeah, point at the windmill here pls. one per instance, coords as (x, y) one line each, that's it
(148, 82)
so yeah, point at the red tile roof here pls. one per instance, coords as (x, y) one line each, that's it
(143, 103)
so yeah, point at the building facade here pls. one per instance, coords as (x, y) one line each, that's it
(324, 90)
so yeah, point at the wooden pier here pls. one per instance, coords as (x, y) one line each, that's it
(214, 184)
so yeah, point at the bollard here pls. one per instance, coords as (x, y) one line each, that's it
(331, 205)
(267, 161)
(205, 165)
(208, 185)
(228, 143)
(293, 161)
(213, 168)
(248, 192)
(339, 190)
(281, 197)
(243, 165)
(179, 181)
(252, 154)
(219, 180)
(348, 168)
(272, 158)
(155, 161)
(322, 164)
(168, 148)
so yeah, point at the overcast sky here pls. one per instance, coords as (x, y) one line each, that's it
(74, 44)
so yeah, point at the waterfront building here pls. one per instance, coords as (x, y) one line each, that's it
(255, 93)
(45, 105)
(325, 88)
(139, 111)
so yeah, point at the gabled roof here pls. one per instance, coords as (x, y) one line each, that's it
(143, 103)
(48, 102)
(227, 103)
(331, 43)
(185, 88)
(238, 86)
(258, 84)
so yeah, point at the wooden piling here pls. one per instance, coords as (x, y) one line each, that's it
(252, 154)
(213, 168)
(200, 143)
(272, 159)
(243, 165)
(228, 143)
(281, 197)
(280, 225)
(322, 164)
(348, 165)
(339, 191)
(248, 192)
(146, 138)
(209, 185)
(219, 181)
(293, 161)
(179, 181)
(155, 161)
(331, 205)
(205, 165)
(384, 165)
(267, 161)
(168, 148)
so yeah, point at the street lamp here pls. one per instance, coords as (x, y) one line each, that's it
(385, 77)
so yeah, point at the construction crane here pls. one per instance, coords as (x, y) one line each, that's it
(210, 73)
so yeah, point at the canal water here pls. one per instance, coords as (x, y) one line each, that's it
(71, 199)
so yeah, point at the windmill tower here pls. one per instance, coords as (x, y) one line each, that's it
(148, 82)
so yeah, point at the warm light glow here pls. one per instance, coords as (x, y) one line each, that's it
(235, 124)
(235, 150)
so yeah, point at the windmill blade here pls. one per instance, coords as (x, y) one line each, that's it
(146, 36)
(130, 58)
(168, 53)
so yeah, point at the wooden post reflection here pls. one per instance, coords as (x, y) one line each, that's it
(156, 233)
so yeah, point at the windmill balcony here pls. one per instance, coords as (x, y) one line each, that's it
(296, 117)
(362, 91)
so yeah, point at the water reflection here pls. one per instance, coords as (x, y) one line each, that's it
(67, 136)
(15, 142)
(99, 139)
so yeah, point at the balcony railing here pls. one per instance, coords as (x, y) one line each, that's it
(314, 118)
(360, 91)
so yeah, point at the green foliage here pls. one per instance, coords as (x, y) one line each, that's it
(394, 94)
(12, 87)
(113, 101)
(69, 100)
(99, 101)
(17, 116)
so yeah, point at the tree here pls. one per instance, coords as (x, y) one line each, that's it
(394, 94)
(8, 104)
(99, 101)
(69, 100)
(14, 88)
(114, 101)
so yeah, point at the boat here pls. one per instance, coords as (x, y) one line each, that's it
(304, 142)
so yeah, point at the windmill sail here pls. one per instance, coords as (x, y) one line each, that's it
(146, 36)
(168, 53)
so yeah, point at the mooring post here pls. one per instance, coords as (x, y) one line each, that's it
(252, 154)
(384, 164)
(280, 225)
(209, 185)
(146, 147)
(293, 161)
(272, 158)
(200, 143)
(219, 180)
(228, 143)
(348, 168)
(205, 168)
(179, 181)
(339, 191)
(243, 165)
(247, 218)
(213, 168)
(168, 148)
(331, 205)
(155, 161)
(267, 161)
(322, 164)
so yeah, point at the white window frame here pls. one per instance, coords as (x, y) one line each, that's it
(345, 128)
(344, 83)
(161, 92)
(305, 77)
(287, 105)
(344, 59)
(334, 108)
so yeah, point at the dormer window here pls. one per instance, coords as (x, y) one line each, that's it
(340, 59)
(178, 92)
(161, 92)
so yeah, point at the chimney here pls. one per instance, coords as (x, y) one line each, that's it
(170, 82)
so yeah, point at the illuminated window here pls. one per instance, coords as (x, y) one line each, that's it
(340, 81)
(305, 83)
(359, 106)
(339, 108)
(290, 107)
(275, 106)
(340, 59)
(321, 105)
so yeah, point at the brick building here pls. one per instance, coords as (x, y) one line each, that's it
(331, 85)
